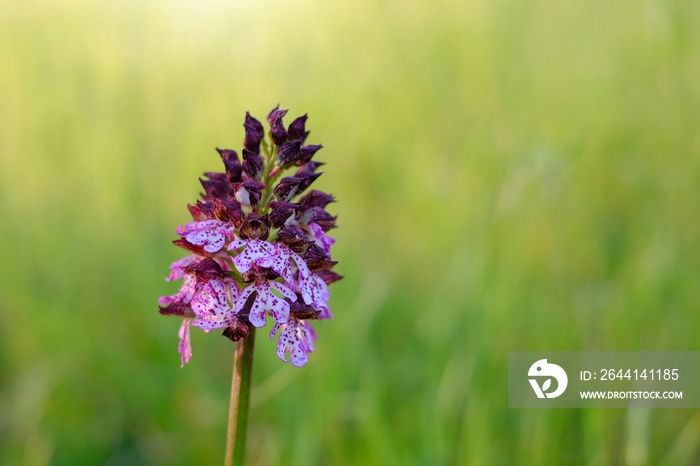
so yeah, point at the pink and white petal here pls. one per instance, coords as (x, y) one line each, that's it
(298, 348)
(189, 288)
(236, 244)
(304, 271)
(243, 297)
(283, 343)
(176, 271)
(291, 341)
(185, 346)
(321, 289)
(278, 308)
(195, 226)
(198, 237)
(284, 290)
(211, 307)
(216, 242)
(243, 262)
(274, 330)
(214, 322)
(283, 267)
(306, 292)
(203, 302)
(257, 313)
(254, 252)
(325, 313)
(166, 301)
(314, 290)
(297, 355)
(184, 295)
(282, 263)
(307, 334)
(219, 289)
(232, 289)
(323, 241)
(307, 287)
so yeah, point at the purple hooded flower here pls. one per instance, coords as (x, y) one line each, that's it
(248, 193)
(252, 164)
(210, 234)
(277, 131)
(288, 153)
(294, 185)
(297, 128)
(254, 133)
(234, 169)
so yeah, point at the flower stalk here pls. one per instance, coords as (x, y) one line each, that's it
(240, 401)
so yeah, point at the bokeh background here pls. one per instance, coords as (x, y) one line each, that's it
(510, 175)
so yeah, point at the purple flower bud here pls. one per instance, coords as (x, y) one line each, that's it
(292, 185)
(319, 216)
(288, 153)
(294, 237)
(280, 212)
(278, 133)
(254, 227)
(274, 114)
(202, 210)
(239, 330)
(234, 169)
(328, 276)
(217, 186)
(228, 211)
(249, 192)
(254, 123)
(252, 164)
(254, 133)
(228, 155)
(175, 308)
(317, 259)
(297, 128)
(205, 270)
(315, 199)
(306, 153)
(302, 311)
(309, 167)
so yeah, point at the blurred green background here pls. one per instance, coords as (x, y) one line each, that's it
(510, 176)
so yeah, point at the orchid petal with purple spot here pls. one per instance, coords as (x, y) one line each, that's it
(211, 307)
(185, 346)
(265, 300)
(210, 234)
(297, 339)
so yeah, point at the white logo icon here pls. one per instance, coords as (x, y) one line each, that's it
(542, 369)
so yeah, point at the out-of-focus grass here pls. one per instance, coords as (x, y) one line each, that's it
(511, 175)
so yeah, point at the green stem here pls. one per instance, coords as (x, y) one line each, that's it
(240, 400)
